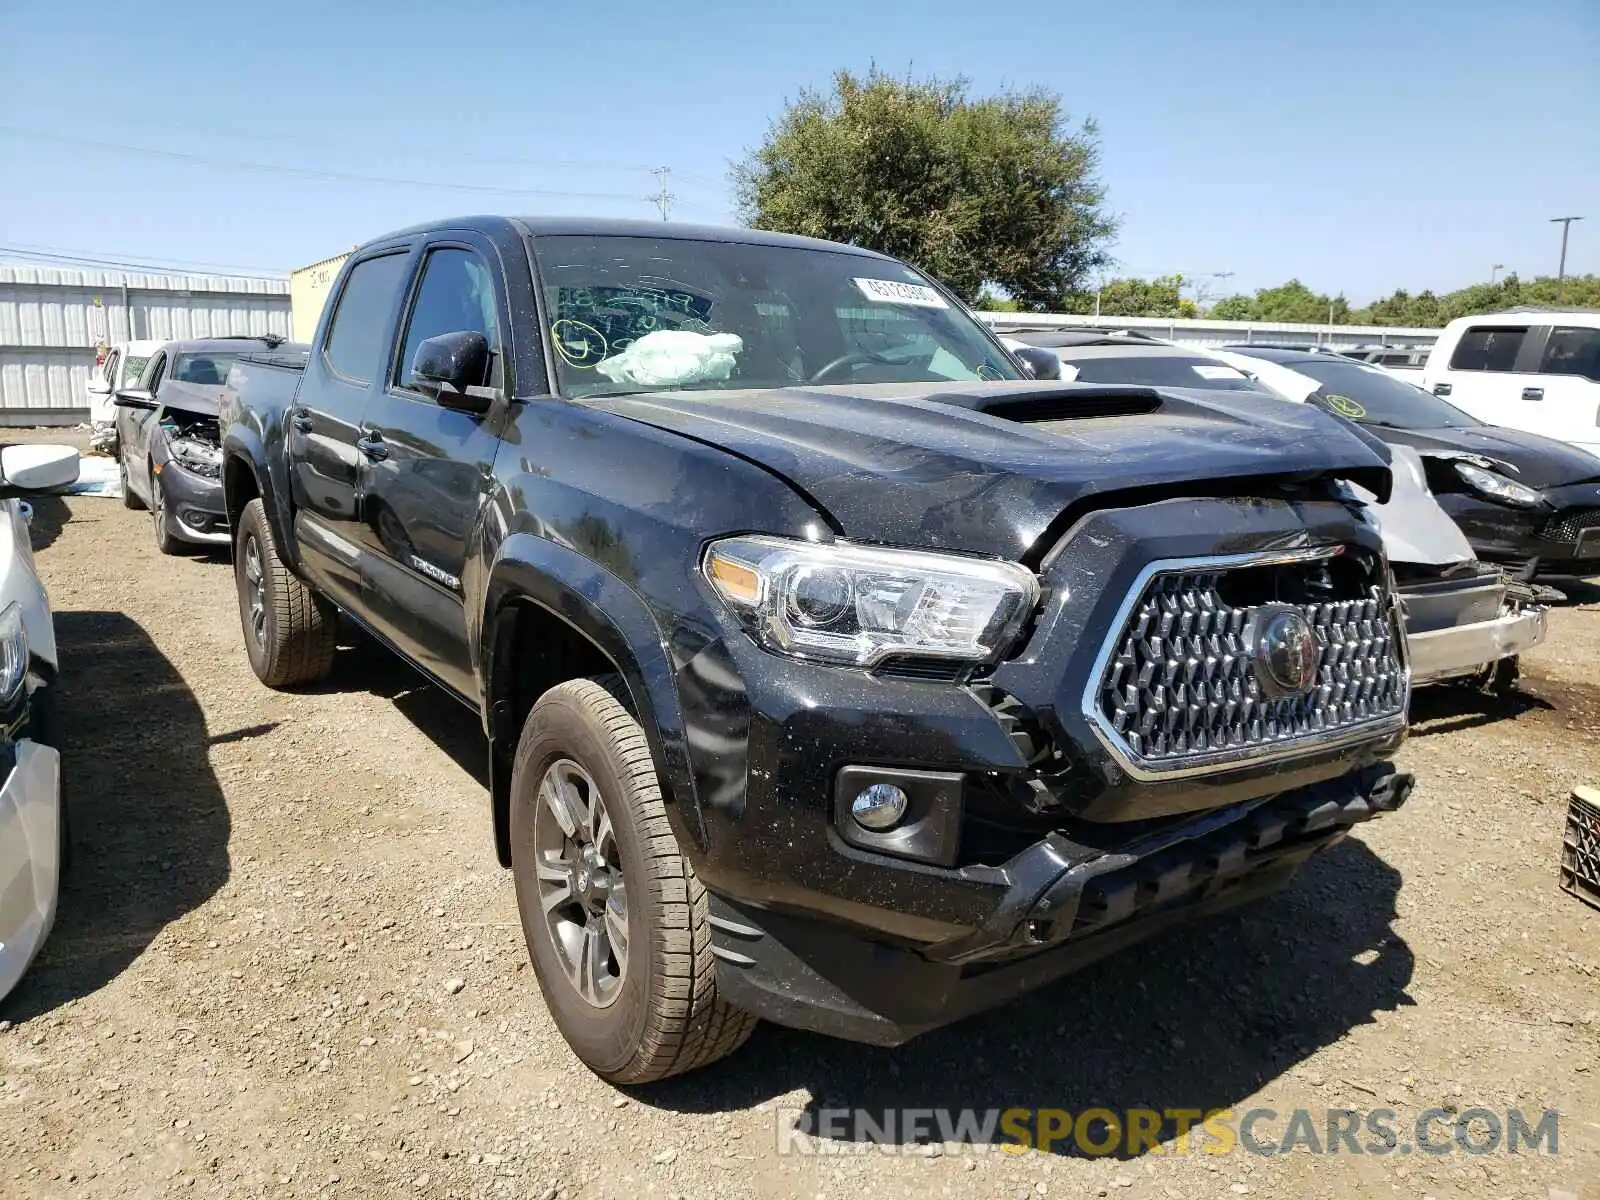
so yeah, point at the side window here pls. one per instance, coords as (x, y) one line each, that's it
(360, 325)
(1572, 350)
(1487, 348)
(456, 296)
(158, 371)
(108, 370)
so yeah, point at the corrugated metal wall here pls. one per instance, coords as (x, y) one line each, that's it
(51, 321)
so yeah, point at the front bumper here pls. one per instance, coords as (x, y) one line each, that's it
(1054, 907)
(1458, 625)
(1464, 650)
(1554, 540)
(767, 740)
(30, 856)
(196, 510)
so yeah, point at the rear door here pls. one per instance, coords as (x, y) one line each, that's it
(1482, 376)
(428, 467)
(1568, 380)
(324, 425)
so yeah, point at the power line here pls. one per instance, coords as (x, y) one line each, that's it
(300, 172)
(89, 258)
(342, 145)
(662, 199)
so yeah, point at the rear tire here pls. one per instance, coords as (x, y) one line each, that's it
(289, 630)
(654, 1011)
(129, 500)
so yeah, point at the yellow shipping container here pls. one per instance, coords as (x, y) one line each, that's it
(308, 292)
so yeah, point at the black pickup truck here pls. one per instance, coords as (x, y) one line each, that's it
(834, 669)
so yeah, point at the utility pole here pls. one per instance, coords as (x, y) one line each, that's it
(1494, 271)
(1561, 271)
(662, 199)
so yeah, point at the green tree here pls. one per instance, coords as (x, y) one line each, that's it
(1157, 297)
(1428, 311)
(1289, 302)
(1232, 308)
(994, 190)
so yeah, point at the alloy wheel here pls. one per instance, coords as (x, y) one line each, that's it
(582, 892)
(255, 580)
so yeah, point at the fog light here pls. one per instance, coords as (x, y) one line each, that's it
(879, 807)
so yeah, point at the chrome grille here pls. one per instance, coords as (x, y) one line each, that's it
(1179, 689)
(1568, 527)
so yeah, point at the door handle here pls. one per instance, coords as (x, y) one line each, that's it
(301, 420)
(371, 444)
(1533, 393)
(1441, 389)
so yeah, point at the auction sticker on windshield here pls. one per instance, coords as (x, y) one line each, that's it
(887, 291)
(1346, 407)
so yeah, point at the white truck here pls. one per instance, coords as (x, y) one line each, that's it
(1532, 369)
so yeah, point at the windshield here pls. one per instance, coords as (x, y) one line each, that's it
(133, 366)
(203, 368)
(1373, 397)
(633, 314)
(1161, 370)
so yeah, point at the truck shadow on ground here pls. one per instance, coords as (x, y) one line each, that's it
(1451, 708)
(149, 822)
(1199, 1018)
(363, 664)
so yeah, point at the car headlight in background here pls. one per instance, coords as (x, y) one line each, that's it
(13, 653)
(1497, 486)
(197, 457)
(860, 605)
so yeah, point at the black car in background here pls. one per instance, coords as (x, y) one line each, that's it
(169, 451)
(1529, 503)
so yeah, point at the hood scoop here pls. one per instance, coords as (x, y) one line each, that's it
(1031, 405)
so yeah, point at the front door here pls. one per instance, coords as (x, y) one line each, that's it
(324, 425)
(429, 467)
(134, 426)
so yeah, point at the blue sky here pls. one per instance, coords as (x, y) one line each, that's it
(1360, 146)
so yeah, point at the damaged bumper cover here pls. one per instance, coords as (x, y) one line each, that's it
(1462, 625)
(1058, 906)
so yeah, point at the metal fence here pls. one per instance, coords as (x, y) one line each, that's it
(1206, 332)
(52, 321)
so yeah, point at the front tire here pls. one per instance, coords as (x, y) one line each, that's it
(165, 542)
(289, 630)
(631, 986)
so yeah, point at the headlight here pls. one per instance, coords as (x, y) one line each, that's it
(202, 460)
(13, 652)
(860, 605)
(1497, 486)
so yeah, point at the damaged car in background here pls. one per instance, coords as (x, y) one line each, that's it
(168, 442)
(1466, 620)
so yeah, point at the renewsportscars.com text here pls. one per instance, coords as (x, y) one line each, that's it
(1135, 1131)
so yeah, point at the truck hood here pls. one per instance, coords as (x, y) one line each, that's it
(1539, 462)
(986, 468)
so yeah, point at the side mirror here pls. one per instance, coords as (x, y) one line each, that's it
(1038, 362)
(99, 387)
(135, 398)
(453, 367)
(36, 469)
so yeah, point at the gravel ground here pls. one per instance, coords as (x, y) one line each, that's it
(287, 964)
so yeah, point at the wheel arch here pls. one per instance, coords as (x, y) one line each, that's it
(551, 615)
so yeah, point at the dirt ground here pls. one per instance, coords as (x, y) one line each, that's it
(287, 964)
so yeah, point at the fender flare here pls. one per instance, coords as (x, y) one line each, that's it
(610, 614)
(243, 446)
